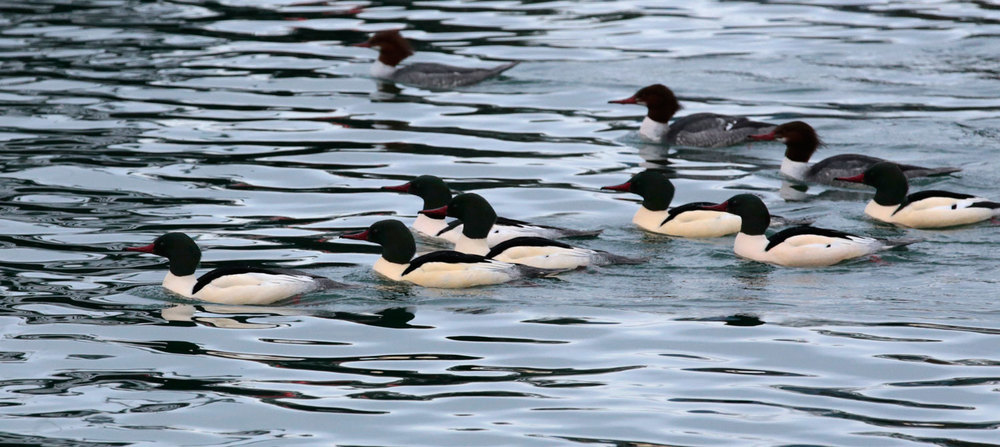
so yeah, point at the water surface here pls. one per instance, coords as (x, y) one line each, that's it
(254, 127)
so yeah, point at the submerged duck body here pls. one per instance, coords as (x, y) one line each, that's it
(924, 209)
(478, 216)
(436, 194)
(228, 285)
(440, 269)
(802, 246)
(697, 130)
(801, 142)
(393, 48)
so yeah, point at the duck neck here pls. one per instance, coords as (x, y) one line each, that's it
(382, 71)
(794, 169)
(180, 284)
(472, 246)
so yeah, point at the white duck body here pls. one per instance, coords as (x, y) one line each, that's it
(449, 275)
(805, 250)
(242, 288)
(690, 224)
(932, 212)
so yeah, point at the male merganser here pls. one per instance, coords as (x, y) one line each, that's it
(801, 142)
(436, 194)
(802, 246)
(478, 216)
(924, 209)
(444, 269)
(393, 48)
(228, 285)
(699, 129)
(688, 220)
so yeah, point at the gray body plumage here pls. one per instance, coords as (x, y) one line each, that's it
(713, 130)
(849, 165)
(440, 76)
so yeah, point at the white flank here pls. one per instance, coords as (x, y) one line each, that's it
(549, 257)
(459, 275)
(934, 212)
(805, 250)
(693, 224)
(244, 288)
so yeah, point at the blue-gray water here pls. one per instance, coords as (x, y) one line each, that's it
(252, 126)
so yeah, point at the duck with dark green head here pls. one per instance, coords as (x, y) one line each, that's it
(437, 194)
(924, 209)
(802, 246)
(441, 269)
(688, 220)
(228, 285)
(478, 216)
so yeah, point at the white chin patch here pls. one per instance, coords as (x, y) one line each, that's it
(640, 102)
(781, 139)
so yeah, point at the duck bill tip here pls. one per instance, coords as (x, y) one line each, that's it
(436, 212)
(143, 249)
(763, 137)
(860, 178)
(624, 187)
(724, 206)
(359, 236)
(398, 188)
(631, 100)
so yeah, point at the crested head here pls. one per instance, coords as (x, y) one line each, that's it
(660, 102)
(476, 214)
(393, 48)
(654, 187)
(800, 139)
(179, 249)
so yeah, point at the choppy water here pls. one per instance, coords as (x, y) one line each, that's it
(251, 125)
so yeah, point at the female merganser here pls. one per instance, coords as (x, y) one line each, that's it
(688, 220)
(393, 48)
(801, 142)
(436, 194)
(444, 269)
(228, 285)
(478, 216)
(802, 246)
(699, 129)
(924, 209)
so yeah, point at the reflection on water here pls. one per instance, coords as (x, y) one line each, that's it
(252, 126)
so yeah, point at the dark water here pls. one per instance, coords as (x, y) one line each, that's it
(252, 126)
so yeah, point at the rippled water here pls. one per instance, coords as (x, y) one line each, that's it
(254, 127)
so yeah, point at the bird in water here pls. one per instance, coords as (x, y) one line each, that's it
(393, 49)
(698, 130)
(228, 285)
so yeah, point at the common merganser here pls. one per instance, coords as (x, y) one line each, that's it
(802, 246)
(801, 141)
(444, 269)
(436, 194)
(699, 129)
(478, 216)
(689, 220)
(393, 48)
(924, 209)
(228, 285)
